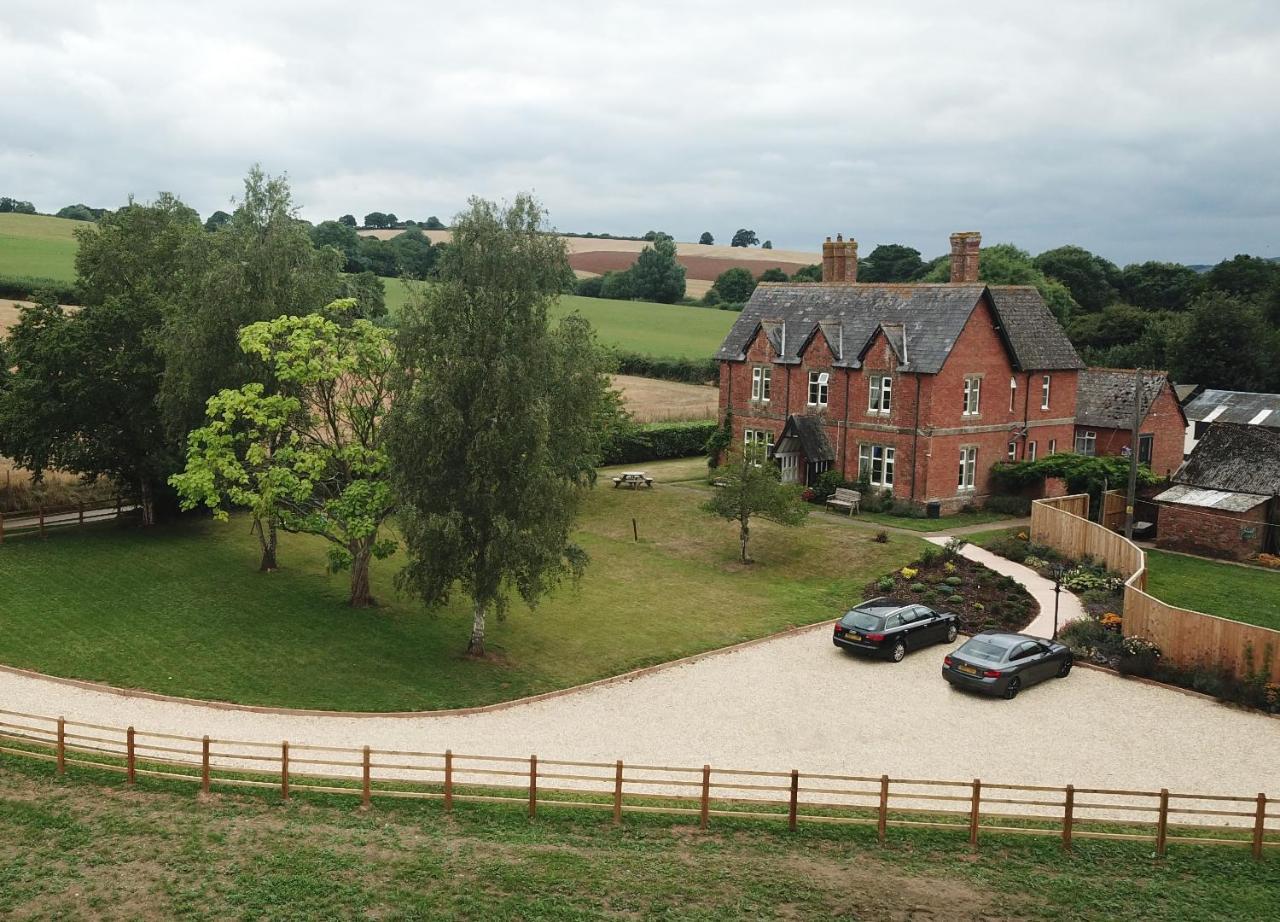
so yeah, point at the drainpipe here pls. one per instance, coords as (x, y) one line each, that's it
(915, 441)
(1026, 416)
(848, 373)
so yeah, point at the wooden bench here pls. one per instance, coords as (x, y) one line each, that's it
(846, 499)
(633, 479)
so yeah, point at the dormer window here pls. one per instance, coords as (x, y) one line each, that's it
(761, 381)
(972, 391)
(819, 383)
(880, 397)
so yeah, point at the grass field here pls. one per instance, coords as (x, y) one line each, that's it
(1248, 594)
(958, 520)
(86, 847)
(182, 610)
(35, 245)
(650, 400)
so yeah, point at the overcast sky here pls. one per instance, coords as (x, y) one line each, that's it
(1140, 130)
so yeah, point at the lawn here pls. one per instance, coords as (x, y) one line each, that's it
(38, 246)
(86, 847)
(914, 523)
(1248, 594)
(182, 610)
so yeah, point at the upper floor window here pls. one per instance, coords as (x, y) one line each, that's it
(1087, 443)
(819, 381)
(875, 464)
(968, 468)
(1013, 394)
(881, 397)
(1044, 392)
(761, 379)
(972, 391)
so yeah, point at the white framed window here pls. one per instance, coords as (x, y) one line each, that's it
(1013, 394)
(880, 398)
(972, 395)
(1013, 451)
(1053, 446)
(758, 439)
(875, 464)
(1031, 451)
(761, 383)
(1087, 443)
(819, 382)
(968, 468)
(1044, 391)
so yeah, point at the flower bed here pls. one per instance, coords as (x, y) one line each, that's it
(946, 582)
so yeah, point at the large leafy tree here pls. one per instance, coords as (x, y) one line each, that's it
(1227, 343)
(1092, 280)
(734, 285)
(1245, 277)
(311, 457)
(891, 262)
(743, 237)
(656, 275)
(1005, 264)
(1160, 286)
(497, 433)
(706, 239)
(751, 487)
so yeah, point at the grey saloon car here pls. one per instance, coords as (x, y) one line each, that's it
(997, 663)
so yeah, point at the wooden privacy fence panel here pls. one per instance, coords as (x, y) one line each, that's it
(1185, 637)
(972, 808)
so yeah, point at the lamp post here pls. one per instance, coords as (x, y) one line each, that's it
(1058, 571)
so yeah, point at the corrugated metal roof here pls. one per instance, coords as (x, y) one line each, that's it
(1235, 407)
(1210, 499)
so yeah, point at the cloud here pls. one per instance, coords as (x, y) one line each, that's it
(1139, 130)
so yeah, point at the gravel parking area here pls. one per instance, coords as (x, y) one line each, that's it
(792, 702)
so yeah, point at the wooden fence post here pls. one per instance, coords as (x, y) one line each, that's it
(1068, 816)
(795, 800)
(365, 793)
(204, 766)
(62, 746)
(1, 528)
(448, 780)
(80, 508)
(118, 506)
(704, 812)
(883, 821)
(40, 513)
(1162, 826)
(1259, 826)
(130, 760)
(284, 770)
(533, 786)
(973, 814)
(617, 793)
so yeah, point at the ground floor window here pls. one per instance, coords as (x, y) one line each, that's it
(968, 468)
(1013, 451)
(875, 464)
(1087, 443)
(757, 440)
(1146, 448)
(1031, 451)
(1053, 446)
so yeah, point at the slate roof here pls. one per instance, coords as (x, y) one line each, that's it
(1104, 396)
(922, 320)
(813, 439)
(1234, 458)
(1240, 407)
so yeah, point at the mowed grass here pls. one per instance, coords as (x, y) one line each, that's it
(181, 609)
(38, 246)
(88, 847)
(667, 330)
(945, 523)
(1248, 594)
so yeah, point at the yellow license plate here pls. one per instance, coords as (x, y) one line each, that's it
(969, 670)
(852, 636)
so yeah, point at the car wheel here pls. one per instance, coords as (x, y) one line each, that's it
(951, 632)
(899, 651)
(1011, 690)
(1065, 669)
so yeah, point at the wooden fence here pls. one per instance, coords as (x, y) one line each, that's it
(43, 518)
(1185, 637)
(970, 808)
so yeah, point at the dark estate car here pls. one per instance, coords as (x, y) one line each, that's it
(997, 663)
(891, 627)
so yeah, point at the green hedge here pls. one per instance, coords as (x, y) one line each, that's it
(25, 287)
(686, 371)
(657, 441)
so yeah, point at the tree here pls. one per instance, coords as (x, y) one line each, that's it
(734, 285)
(752, 487)
(810, 273)
(378, 256)
(434, 223)
(498, 432)
(1094, 282)
(772, 274)
(76, 213)
(889, 262)
(656, 275)
(706, 239)
(343, 238)
(617, 286)
(1005, 264)
(1227, 344)
(348, 219)
(1159, 286)
(744, 238)
(13, 205)
(590, 287)
(217, 221)
(310, 457)
(369, 294)
(1245, 277)
(392, 220)
(415, 256)
(375, 219)
(767, 245)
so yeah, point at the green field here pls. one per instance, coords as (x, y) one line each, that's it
(182, 610)
(38, 246)
(1248, 594)
(85, 847)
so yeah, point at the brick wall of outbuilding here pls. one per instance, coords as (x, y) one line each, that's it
(1212, 532)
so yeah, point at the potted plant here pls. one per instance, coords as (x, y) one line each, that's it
(1138, 656)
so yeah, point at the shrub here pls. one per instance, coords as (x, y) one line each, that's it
(905, 509)
(686, 371)
(955, 600)
(909, 572)
(931, 597)
(27, 288)
(827, 484)
(953, 548)
(885, 584)
(1010, 548)
(917, 587)
(882, 537)
(953, 581)
(1009, 505)
(657, 441)
(929, 556)
(949, 567)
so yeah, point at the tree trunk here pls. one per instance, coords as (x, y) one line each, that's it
(744, 535)
(267, 540)
(148, 502)
(475, 647)
(360, 553)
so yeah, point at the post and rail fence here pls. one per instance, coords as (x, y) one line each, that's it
(43, 518)
(971, 808)
(1185, 637)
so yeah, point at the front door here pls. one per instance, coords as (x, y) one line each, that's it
(790, 465)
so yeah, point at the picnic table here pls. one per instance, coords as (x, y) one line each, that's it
(633, 479)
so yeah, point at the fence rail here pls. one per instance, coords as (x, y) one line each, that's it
(42, 518)
(1185, 637)
(970, 807)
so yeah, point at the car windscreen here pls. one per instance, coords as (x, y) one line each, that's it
(980, 649)
(863, 621)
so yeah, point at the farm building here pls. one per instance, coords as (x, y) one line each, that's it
(1225, 501)
(1242, 407)
(1104, 417)
(913, 388)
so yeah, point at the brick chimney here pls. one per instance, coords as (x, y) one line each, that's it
(965, 246)
(840, 260)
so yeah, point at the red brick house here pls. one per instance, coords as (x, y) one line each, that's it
(1104, 417)
(1225, 501)
(915, 388)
